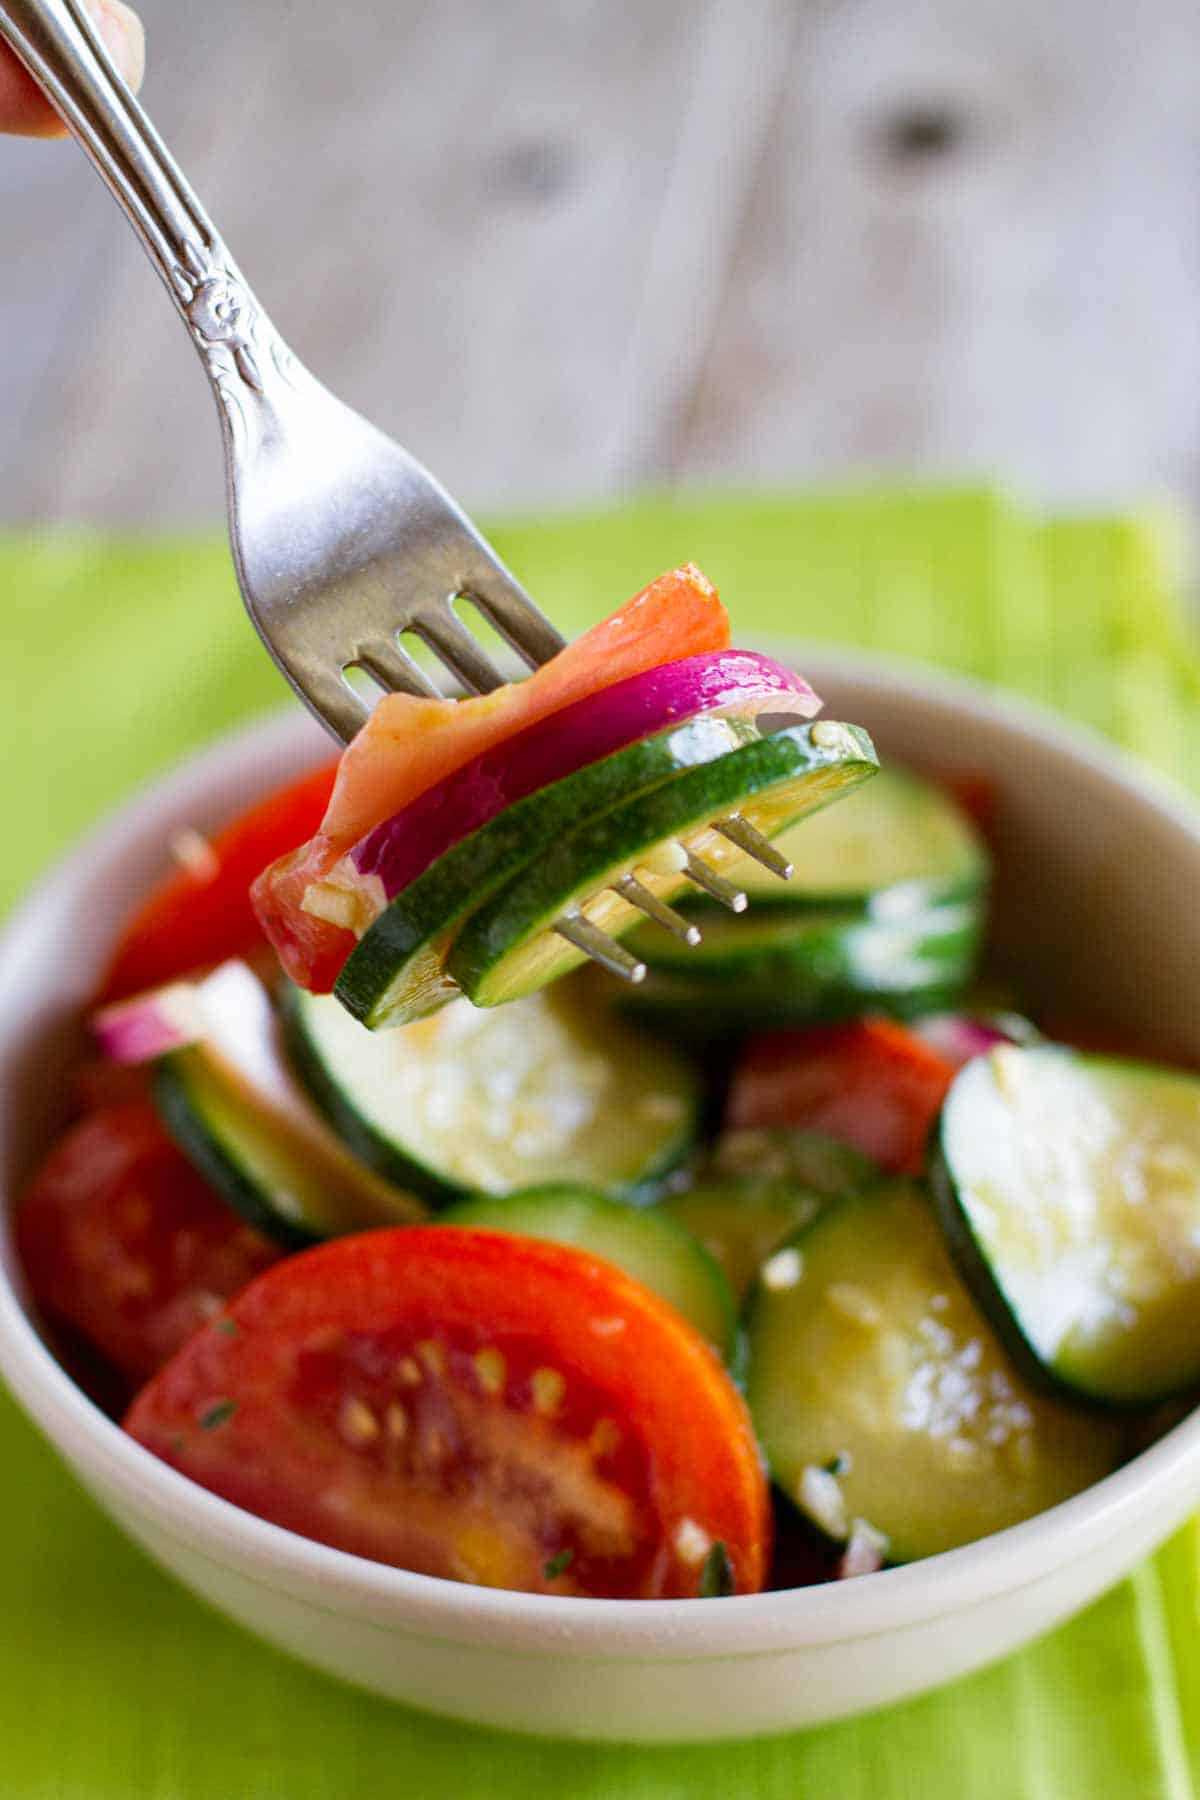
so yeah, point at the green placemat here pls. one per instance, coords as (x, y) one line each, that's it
(120, 656)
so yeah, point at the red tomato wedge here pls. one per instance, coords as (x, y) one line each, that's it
(196, 917)
(409, 744)
(473, 1405)
(123, 1242)
(870, 1083)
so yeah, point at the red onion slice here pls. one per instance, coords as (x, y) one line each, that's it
(404, 846)
(151, 1024)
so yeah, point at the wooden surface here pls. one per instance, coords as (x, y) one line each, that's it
(566, 248)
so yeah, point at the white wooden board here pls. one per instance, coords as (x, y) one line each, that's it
(565, 248)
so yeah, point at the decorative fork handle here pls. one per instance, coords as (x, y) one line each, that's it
(238, 345)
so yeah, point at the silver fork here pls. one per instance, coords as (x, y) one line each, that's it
(342, 542)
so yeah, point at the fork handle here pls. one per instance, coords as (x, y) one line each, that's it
(63, 51)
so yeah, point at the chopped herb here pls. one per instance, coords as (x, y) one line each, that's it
(177, 1443)
(716, 1577)
(227, 1326)
(217, 1414)
(558, 1564)
(839, 1464)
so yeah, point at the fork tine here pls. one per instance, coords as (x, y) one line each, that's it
(739, 831)
(394, 669)
(522, 626)
(715, 885)
(449, 639)
(602, 949)
(631, 889)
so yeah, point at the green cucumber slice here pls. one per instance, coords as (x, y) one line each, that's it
(550, 1090)
(646, 1244)
(777, 1153)
(900, 836)
(758, 1188)
(801, 964)
(739, 1223)
(868, 1358)
(509, 947)
(397, 972)
(1069, 1186)
(297, 1185)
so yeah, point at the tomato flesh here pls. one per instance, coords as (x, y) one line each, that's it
(870, 1083)
(198, 917)
(122, 1241)
(471, 1405)
(409, 744)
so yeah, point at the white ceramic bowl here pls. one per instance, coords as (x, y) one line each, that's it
(1099, 873)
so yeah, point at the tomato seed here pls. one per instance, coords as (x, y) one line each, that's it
(356, 1422)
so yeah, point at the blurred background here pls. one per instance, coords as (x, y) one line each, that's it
(569, 249)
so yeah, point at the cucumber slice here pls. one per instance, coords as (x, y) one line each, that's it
(509, 947)
(802, 965)
(760, 1187)
(231, 1104)
(776, 1153)
(900, 836)
(645, 1243)
(550, 1090)
(1069, 1186)
(739, 1223)
(397, 972)
(868, 1357)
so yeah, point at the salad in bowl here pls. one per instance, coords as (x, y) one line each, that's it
(815, 1248)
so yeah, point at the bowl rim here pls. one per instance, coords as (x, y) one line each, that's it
(952, 1582)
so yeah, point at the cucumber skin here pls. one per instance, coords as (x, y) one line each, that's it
(184, 1124)
(818, 976)
(1053, 1390)
(358, 1136)
(974, 1267)
(480, 1211)
(785, 1153)
(825, 948)
(822, 1170)
(921, 894)
(453, 888)
(378, 1153)
(515, 914)
(966, 880)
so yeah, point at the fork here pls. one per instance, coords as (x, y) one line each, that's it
(342, 542)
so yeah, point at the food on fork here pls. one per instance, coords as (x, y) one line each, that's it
(439, 805)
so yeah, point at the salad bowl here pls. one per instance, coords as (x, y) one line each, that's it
(1097, 868)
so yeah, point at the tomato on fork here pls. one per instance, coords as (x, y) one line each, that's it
(473, 1405)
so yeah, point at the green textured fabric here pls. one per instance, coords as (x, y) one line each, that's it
(121, 656)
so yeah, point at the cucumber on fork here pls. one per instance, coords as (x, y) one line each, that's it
(522, 937)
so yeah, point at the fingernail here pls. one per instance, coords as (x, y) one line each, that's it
(123, 36)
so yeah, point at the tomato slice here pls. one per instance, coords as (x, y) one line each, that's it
(870, 1083)
(197, 917)
(408, 745)
(473, 1405)
(124, 1243)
